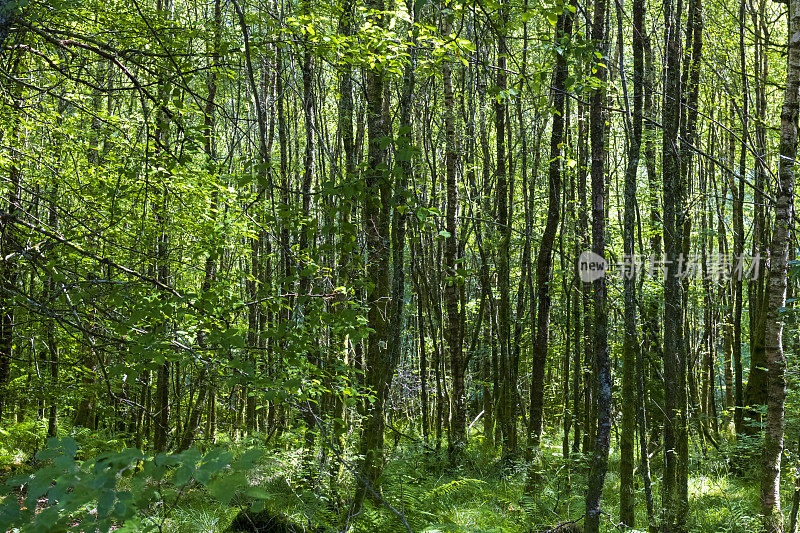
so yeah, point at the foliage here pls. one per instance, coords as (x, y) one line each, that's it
(112, 489)
(200, 299)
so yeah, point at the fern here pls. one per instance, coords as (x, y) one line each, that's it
(448, 489)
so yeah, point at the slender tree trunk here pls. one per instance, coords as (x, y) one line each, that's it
(583, 229)
(9, 244)
(161, 426)
(524, 286)
(724, 290)
(650, 316)
(484, 203)
(707, 345)
(690, 92)
(738, 234)
(673, 499)
(423, 370)
(598, 114)
(544, 263)
(577, 341)
(347, 239)
(778, 271)
(49, 294)
(453, 332)
(306, 239)
(506, 410)
(755, 391)
(376, 223)
(630, 345)
(284, 238)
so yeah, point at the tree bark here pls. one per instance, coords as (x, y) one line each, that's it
(778, 271)
(544, 262)
(598, 114)
(739, 237)
(630, 344)
(650, 316)
(376, 224)
(453, 332)
(507, 411)
(9, 244)
(674, 501)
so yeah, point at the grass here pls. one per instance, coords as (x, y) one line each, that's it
(198, 513)
(482, 494)
(485, 495)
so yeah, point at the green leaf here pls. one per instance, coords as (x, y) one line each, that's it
(225, 488)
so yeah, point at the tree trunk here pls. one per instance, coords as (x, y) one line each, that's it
(739, 236)
(630, 344)
(673, 499)
(160, 211)
(9, 244)
(778, 271)
(544, 263)
(376, 222)
(507, 411)
(650, 316)
(453, 332)
(423, 370)
(597, 122)
(583, 229)
(306, 239)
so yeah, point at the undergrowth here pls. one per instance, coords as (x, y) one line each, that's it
(483, 493)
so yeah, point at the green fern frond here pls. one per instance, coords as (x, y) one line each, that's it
(454, 486)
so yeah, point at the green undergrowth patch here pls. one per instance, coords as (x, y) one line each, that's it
(96, 478)
(485, 493)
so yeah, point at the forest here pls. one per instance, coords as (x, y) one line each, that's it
(399, 266)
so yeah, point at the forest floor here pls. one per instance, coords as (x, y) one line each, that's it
(482, 493)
